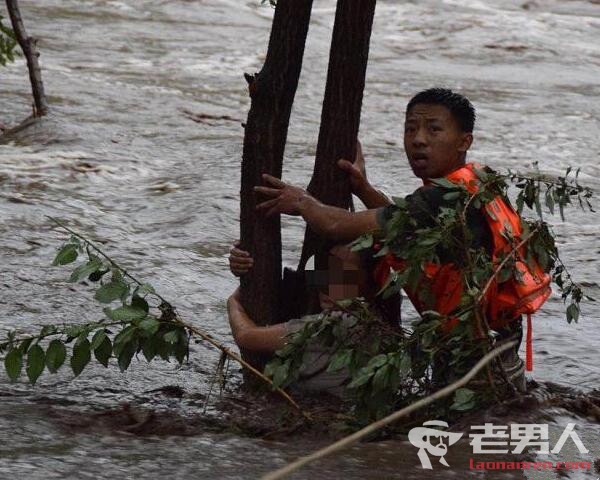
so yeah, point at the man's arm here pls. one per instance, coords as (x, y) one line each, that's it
(361, 187)
(357, 173)
(331, 222)
(248, 335)
(372, 198)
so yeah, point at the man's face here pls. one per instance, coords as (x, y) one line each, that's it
(434, 142)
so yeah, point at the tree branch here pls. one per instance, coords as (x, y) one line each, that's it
(29, 47)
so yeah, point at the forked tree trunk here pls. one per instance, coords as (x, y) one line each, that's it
(272, 91)
(340, 117)
(28, 45)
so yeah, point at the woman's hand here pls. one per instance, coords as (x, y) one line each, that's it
(240, 261)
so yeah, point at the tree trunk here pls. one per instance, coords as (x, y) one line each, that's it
(28, 45)
(340, 117)
(272, 91)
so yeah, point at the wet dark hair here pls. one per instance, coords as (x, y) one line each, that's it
(460, 107)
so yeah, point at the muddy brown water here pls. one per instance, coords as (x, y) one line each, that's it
(120, 160)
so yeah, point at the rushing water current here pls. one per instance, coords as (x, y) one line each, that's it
(120, 159)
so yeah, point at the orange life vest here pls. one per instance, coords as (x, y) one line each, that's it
(504, 301)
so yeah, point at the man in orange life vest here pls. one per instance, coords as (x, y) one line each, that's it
(437, 135)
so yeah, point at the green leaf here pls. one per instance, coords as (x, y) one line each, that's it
(82, 336)
(151, 347)
(340, 360)
(271, 366)
(103, 351)
(81, 356)
(55, 355)
(25, 345)
(67, 254)
(164, 350)
(122, 338)
(126, 313)
(443, 182)
(13, 363)
(127, 353)
(48, 330)
(84, 270)
(377, 361)
(464, 399)
(280, 374)
(117, 276)
(572, 312)
(451, 196)
(139, 302)
(520, 201)
(381, 378)
(97, 339)
(171, 337)
(35, 363)
(144, 289)
(505, 274)
(180, 349)
(109, 292)
(149, 325)
(362, 242)
(362, 378)
(74, 331)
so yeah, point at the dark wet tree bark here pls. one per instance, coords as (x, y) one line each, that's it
(272, 91)
(28, 45)
(340, 117)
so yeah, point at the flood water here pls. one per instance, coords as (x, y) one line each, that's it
(121, 161)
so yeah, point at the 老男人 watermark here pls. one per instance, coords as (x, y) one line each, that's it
(490, 438)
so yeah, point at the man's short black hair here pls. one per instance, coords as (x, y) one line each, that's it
(459, 105)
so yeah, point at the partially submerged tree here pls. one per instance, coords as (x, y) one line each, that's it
(29, 46)
(272, 91)
(340, 117)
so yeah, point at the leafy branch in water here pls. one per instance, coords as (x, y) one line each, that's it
(556, 191)
(387, 371)
(137, 320)
(8, 43)
(560, 191)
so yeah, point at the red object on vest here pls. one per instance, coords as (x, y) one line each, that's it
(503, 301)
(529, 345)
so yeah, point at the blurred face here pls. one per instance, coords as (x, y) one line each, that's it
(345, 275)
(343, 278)
(434, 142)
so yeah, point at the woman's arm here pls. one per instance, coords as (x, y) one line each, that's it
(248, 335)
